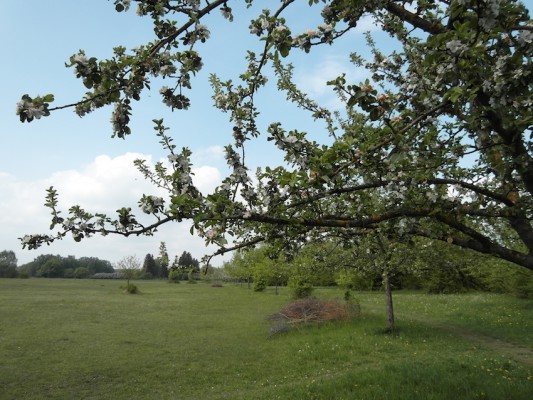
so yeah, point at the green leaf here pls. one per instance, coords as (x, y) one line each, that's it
(375, 114)
(453, 94)
(284, 50)
(48, 98)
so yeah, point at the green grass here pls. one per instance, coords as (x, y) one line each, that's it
(86, 339)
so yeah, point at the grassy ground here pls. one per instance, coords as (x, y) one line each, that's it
(85, 339)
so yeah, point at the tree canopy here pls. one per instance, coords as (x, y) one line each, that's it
(436, 143)
(8, 264)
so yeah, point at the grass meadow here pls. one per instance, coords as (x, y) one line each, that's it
(86, 339)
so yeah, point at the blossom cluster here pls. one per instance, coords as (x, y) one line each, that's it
(120, 119)
(151, 204)
(201, 33)
(27, 108)
(174, 101)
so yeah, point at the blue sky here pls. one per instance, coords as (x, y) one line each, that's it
(78, 155)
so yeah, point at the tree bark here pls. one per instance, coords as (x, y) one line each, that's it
(388, 303)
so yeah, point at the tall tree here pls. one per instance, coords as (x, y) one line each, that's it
(437, 142)
(163, 260)
(187, 262)
(150, 266)
(8, 264)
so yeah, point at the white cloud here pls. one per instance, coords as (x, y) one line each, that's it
(367, 23)
(314, 81)
(210, 155)
(206, 178)
(104, 185)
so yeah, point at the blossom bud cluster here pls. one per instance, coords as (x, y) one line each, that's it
(151, 204)
(27, 109)
(120, 118)
(200, 33)
(174, 100)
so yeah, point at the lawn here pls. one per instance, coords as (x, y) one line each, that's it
(85, 339)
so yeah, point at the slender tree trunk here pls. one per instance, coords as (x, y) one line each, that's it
(386, 285)
(388, 302)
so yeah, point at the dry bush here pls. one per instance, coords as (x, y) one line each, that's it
(311, 310)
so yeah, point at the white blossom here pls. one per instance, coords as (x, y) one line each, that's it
(30, 109)
(326, 28)
(526, 36)
(311, 33)
(432, 196)
(166, 70)
(456, 47)
(226, 12)
(291, 139)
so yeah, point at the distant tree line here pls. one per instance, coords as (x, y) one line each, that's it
(56, 266)
(183, 267)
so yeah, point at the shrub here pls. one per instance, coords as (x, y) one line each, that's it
(260, 284)
(523, 286)
(300, 287)
(449, 279)
(81, 272)
(174, 276)
(130, 288)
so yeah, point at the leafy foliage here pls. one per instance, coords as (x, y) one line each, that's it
(8, 264)
(150, 267)
(129, 268)
(436, 143)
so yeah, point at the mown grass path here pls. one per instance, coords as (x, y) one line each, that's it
(439, 313)
(516, 352)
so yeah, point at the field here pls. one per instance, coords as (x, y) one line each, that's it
(85, 339)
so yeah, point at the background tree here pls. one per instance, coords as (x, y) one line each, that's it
(129, 268)
(95, 265)
(150, 267)
(186, 264)
(33, 267)
(81, 272)
(8, 264)
(437, 140)
(163, 260)
(52, 268)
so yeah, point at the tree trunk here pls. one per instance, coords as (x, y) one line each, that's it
(388, 302)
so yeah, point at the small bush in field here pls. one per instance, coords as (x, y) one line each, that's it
(174, 276)
(260, 284)
(130, 288)
(311, 310)
(300, 287)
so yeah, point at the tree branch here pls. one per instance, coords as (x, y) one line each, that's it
(433, 27)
